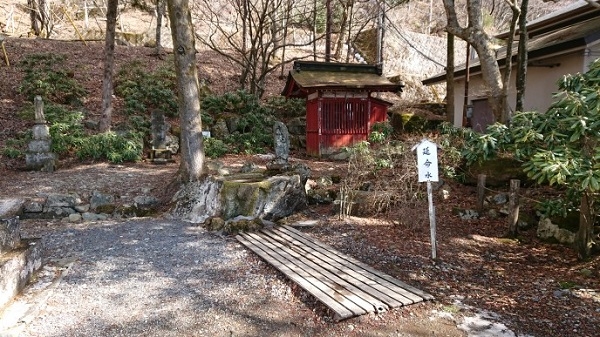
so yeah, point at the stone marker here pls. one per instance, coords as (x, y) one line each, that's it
(282, 147)
(160, 153)
(38, 156)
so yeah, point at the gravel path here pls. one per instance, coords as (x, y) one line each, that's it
(151, 278)
(156, 277)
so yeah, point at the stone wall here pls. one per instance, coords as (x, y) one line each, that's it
(97, 206)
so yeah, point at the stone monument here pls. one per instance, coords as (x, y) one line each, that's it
(160, 153)
(282, 148)
(38, 156)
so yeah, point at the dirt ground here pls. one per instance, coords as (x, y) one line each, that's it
(477, 269)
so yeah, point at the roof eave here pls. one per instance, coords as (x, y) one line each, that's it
(555, 50)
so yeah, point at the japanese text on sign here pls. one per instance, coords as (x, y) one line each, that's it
(427, 161)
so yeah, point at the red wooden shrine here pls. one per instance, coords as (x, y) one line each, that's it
(339, 107)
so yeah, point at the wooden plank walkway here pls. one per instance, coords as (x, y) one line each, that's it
(345, 285)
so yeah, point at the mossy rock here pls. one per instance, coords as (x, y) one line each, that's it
(108, 209)
(242, 225)
(498, 171)
(409, 122)
(214, 223)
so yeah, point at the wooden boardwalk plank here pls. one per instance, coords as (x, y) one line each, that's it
(345, 285)
(366, 267)
(368, 286)
(310, 285)
(401, 292)
(351, 301)
(362, 299)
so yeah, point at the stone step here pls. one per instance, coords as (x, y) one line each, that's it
(10, 208)
(20, 258)
(17, 267)
(10, 237)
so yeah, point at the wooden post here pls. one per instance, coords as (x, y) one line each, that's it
(2, 38)
(480, 192)
(432, 221)
(513, 207)
(74, 26)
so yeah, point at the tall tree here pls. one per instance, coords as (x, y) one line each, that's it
(328, 24)
(516, 12)
(184, 49)
(450, 78)
(160, 12)
(475, 35)
(109, 62)
(522, 56)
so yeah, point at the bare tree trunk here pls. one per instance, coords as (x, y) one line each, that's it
(41, 18)
(509, 48)
(340, 40)
(349, 40)
(34, 17)
(160, 12)
(584, 238)
(288, 12)
(45, 17)
(314, 30)
(109, 62)
(478, 38)
(450, 79)
(192, 150)
(328, 24)
(522, 56)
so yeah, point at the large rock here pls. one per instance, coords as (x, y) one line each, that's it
(62, 200)
(198, 200)
(547, 231)
(10, 237)
(17, 268)
(99, 200)
(268, 198)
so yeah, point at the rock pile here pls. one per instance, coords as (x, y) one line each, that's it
(98, 206)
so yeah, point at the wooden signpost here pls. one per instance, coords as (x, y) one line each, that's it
(427, 164)
(2, 37)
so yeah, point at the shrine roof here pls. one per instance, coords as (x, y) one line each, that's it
(311, 76)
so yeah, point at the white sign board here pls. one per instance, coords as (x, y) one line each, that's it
(427, 160)
(427, 165)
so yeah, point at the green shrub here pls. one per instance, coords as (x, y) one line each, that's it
(69, 136)
(286, 107)
(45, 76)
(11, 152)
(380, 132)
(144, 91)
(254, 127)
(114, 147)
(66, 130)
(215, 148)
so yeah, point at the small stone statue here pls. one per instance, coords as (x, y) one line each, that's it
(39, 110)
(282, 147)
(159, 130)
(39, 156)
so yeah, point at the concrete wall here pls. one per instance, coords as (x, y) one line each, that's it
(541, 83)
